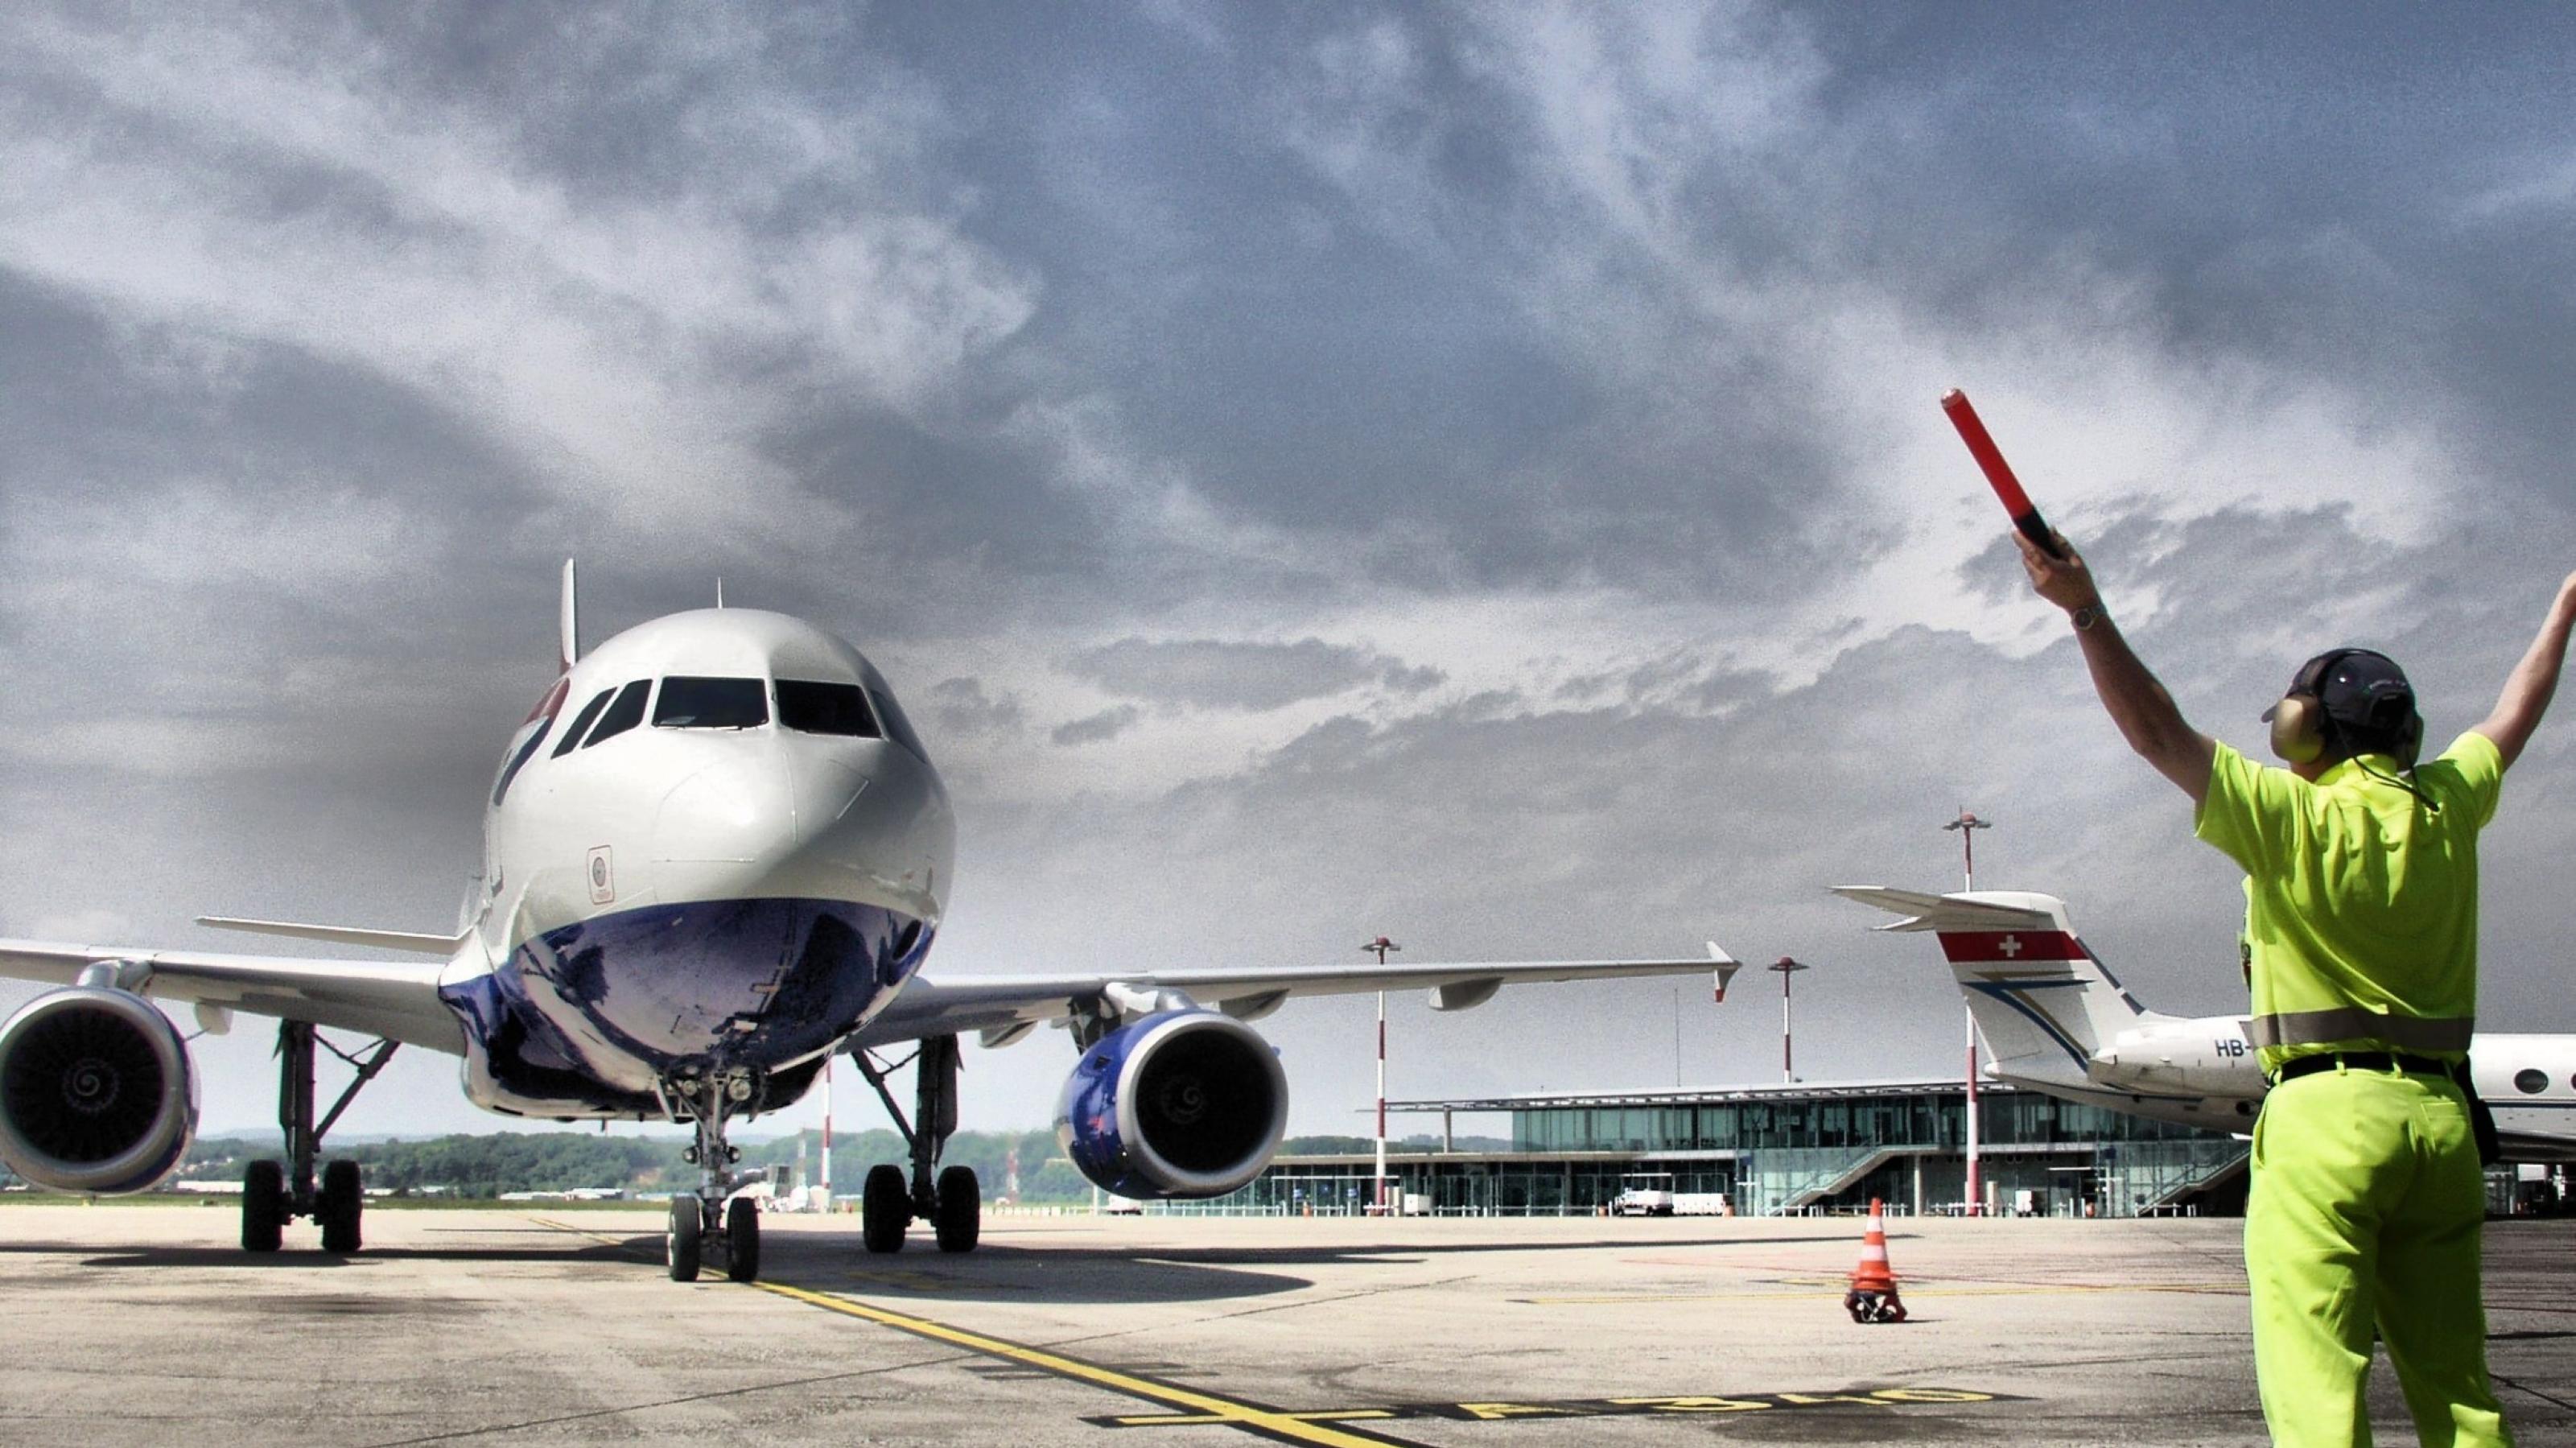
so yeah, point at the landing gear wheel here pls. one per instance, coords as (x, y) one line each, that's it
(341, 1202)
(263, 1206)
(885, 1209)
(959, 1218)
(682, 1245)
(742, 1239)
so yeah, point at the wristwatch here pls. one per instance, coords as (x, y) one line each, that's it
(2087, 616)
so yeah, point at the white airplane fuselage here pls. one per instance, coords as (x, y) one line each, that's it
(2194, 1069)
(714, 850)
(2055, 1019)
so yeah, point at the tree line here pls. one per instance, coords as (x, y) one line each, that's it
(485, 1166)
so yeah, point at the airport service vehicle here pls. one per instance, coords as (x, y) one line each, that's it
(2055, 1020)
(1644, 1194)
(715, 854)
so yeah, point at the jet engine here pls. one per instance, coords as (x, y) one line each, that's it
(96, 1093)
(1181, 1104)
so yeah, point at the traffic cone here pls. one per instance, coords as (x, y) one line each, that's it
(1873, 1283)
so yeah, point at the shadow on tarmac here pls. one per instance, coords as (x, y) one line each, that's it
(1059, 1271)
(292, 1259)
(1071, 1273)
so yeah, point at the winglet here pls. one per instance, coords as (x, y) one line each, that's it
(1727, 966)
(1995, 911)
(569, 648)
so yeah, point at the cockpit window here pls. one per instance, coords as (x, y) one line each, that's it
(697, 703)
(815, 708)
(581, 721)
(622, 715)
(897, 727)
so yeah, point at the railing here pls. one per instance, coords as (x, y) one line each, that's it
(1789, 1179)
(2151, 1178)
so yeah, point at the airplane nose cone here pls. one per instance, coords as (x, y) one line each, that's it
(735, 810)
(827, 791)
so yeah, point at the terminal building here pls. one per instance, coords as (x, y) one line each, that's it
(1774, 1150)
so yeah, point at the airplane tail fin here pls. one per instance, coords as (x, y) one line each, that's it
(2040, 999)
(569, 650)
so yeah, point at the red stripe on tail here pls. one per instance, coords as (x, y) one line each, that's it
(2009, 946)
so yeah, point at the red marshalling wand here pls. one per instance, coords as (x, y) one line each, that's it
(1999, 474)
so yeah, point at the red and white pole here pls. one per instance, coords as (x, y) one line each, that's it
(1788, 1072)
(1967, 825)
(1786, 967)
(1381, 1101)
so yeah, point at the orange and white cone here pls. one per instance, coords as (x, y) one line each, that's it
(1873, 1283)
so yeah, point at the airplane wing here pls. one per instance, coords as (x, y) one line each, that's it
(397, 1000)
(1006, 1007)
(1945, 912)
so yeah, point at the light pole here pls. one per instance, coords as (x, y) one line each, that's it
(1967, 825)
(1379, 947)
(1786, 968)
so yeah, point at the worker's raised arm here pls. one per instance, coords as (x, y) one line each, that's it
(2528, 689)
(2146, 714)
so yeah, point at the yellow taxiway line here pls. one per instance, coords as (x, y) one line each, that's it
(1202, 1407)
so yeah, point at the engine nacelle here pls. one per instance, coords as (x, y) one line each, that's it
(96, 1093)
(1182, 1104)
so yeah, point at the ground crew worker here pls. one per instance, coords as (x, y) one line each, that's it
(2362, 905)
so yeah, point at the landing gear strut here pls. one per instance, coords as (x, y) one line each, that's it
(705, 1223)
(275, 1193)
(949, 1200)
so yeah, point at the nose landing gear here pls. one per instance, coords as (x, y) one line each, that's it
(711, 1221)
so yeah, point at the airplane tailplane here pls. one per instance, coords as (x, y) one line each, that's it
(2040, 999)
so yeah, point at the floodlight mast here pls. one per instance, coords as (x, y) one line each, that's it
(1377, 1189)
(1967, 825)
(1786, 967)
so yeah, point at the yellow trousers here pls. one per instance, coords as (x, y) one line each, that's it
(2366, 1210)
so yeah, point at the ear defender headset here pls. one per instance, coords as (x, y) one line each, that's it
(2356, 701)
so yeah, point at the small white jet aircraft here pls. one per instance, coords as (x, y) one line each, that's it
(2054, 1019)
(715, 854)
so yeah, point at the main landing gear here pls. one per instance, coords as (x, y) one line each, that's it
(949, 1200)
(711, 1222)
(274, 1192)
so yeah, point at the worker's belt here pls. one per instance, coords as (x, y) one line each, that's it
(2352, 1023)
(2481, 1120)
(2362, 1061)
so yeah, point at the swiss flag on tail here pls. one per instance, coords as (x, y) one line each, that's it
(2009, 947)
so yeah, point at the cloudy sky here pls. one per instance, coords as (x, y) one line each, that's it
(1470, 474)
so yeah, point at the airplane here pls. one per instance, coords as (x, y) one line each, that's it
(716, 853)
(2055, 1019)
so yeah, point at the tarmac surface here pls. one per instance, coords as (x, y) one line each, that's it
(145, 1324)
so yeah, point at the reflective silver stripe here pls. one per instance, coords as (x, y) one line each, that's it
(2352, 1023)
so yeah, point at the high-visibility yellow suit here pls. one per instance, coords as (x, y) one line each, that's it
(2367, 1198)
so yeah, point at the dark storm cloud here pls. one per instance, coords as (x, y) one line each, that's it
(960, 706)
(1098, 728)
(1212, 674)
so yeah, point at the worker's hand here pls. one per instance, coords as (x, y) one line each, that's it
(2065, 582)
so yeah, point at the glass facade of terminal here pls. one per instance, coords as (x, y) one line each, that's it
(1908, 1118)
(1770, 1151)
